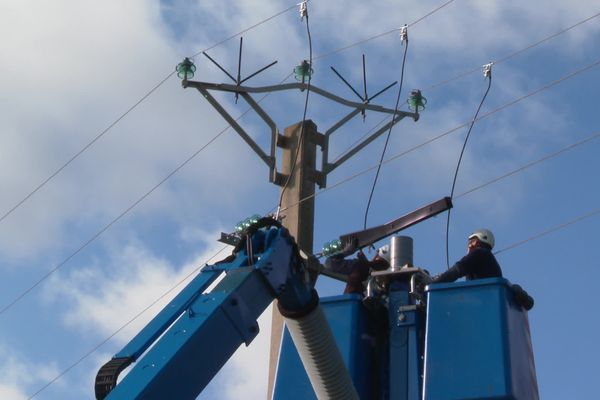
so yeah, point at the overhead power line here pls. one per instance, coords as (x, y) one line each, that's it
(85, 148)
(129, 322)
(122, 116)
(133, 205)
(488, 74)
(246, 30)
(531, 164)
(125, 212)
(471, 71)
(514, 54)
(301, 135)
(387, 138)
(550, 230)
(452, 130)
(349, 46)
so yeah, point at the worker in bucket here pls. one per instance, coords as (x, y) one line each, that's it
(480, 263)
(357, 269)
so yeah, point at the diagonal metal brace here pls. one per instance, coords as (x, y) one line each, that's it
(270, 161)
(328, 167)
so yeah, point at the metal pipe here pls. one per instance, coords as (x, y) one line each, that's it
(401, 252)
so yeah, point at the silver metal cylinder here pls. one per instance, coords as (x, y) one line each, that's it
(401, 252)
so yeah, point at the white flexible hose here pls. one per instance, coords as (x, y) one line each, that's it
(321, 357)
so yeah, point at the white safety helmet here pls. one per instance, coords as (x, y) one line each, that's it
(384, 252)
(484, 235)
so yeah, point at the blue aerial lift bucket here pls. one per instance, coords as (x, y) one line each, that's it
(477, 343)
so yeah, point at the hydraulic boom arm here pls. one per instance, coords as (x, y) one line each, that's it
(189, 341)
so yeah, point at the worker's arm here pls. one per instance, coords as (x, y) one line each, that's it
(462, 267)
(449, 275)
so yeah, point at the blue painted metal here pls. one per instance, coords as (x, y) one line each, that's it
(200, 331)
(199, 343)
(167, 316)
(405, 346)
(477, 343)
(353, 332)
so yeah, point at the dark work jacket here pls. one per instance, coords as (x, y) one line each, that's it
(478, 264)
(357, 270)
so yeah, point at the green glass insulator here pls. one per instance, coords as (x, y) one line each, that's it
(254, 219)
(186, 69)
(303, 71)
(416, 101)
(336, 245)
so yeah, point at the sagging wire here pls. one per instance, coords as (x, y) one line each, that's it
(403, 41)
(550, 230)
(448, 132)
(363, 41)
(515, 53)
(487, 73)
(305, 69)
(531, 164)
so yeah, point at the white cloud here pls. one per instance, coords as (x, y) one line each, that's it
(59, 97)
(134, 279)
(18, 376)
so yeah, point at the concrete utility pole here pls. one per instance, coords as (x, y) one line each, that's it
(298, 217)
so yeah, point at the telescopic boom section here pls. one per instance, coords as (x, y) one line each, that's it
(189, 341)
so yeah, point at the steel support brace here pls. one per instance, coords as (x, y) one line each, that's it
(268, 160)
(327, 168)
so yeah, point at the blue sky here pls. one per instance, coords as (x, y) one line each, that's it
(70, 69)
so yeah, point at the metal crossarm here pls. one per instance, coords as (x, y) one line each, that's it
(323, 141)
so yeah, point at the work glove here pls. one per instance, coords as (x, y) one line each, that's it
(349, 247)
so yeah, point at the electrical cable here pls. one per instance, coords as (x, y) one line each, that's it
(550, 230)
(448, 132)
(531, 164)
(246, 30)
(339, 50)
(462, 151)
(503, 59)
(514, 54)
(103, 342)
(301, 135)
(387, 139)
(115, 122)
(123, 213)
(85, 148)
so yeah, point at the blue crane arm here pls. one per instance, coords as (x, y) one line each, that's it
(189, 341)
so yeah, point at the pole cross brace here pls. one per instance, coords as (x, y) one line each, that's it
(322, 140)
